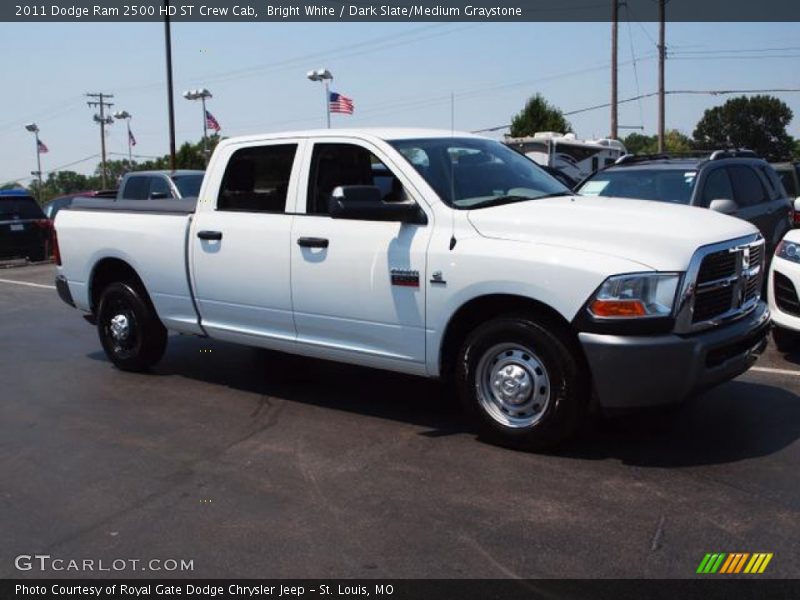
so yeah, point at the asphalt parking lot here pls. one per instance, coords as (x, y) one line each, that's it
(254, 464)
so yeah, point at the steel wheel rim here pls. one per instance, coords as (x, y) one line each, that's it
(513, 385)
(121, 329)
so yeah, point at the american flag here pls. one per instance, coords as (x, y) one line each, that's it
(341, 104)
(42, 148)
(211, 122)
(131, 139)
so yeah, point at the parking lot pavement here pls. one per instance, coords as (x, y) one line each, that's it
(254, 464)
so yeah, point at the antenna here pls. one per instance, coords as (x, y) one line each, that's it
(452, 172)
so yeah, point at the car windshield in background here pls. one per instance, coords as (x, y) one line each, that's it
(664, 185)
(188, 185)
(475, 173)
(20, 208)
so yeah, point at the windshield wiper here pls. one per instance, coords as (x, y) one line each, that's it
(498, 200)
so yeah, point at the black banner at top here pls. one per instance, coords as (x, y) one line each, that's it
(395, 10)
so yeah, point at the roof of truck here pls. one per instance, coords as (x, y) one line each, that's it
(383, 133)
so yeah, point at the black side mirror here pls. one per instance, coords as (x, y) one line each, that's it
(366, 202)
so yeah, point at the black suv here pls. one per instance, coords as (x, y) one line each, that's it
(24, 230)
(737, 183)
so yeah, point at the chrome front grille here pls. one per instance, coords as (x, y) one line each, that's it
(723, 283)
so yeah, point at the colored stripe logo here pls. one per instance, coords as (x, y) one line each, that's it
(734, 562)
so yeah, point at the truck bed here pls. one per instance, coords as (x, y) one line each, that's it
(149, 235)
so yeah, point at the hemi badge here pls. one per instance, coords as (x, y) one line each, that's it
(405, 278)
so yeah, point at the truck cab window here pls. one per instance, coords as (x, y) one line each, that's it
(137, 188)
(257, 179)
(159, 188)
(334, 165)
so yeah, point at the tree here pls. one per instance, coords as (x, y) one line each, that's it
(757, 123)
(675, 142)
(538, 115)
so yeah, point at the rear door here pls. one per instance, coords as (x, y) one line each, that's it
(755, 205)
(240, 249)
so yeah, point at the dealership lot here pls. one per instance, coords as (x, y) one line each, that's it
(254, 464)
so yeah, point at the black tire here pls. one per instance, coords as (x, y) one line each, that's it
(785, 340)
(554, 370)
(146, 338)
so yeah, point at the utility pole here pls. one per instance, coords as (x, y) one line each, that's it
(170, 99)
(103, 120)
(614, 74)
(662, 55)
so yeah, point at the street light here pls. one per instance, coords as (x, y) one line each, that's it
(124, 114)
(34, 129)
(201, 95)
(325, 77)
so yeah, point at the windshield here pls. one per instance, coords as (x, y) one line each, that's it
(20, 208)
(475, 173)
(188, 185)
(664, 185)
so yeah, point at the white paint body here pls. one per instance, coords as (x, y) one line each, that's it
(256, 286)
(790, 270)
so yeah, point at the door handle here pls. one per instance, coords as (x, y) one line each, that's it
(312, 242)
(209, 235)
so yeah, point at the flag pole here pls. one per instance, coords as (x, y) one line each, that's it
(327, 103)
(39, 166)
(130, 148)
(205, 130)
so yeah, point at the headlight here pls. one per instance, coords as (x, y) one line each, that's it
(788, 250)
(636, 295)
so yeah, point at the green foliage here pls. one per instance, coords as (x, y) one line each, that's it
(674, 142)
(756, 122)
(538, 115)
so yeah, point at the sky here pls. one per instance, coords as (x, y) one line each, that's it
(398, 74)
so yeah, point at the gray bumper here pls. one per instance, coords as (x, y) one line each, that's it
(648, 371)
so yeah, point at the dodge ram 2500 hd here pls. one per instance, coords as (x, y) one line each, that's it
(437, 254)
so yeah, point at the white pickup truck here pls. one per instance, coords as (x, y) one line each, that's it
(431, 253)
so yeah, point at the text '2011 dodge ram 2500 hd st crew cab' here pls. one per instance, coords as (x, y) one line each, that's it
(431, 253)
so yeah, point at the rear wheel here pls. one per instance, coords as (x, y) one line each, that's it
(523, 382)
(132, 336)
(785, 340)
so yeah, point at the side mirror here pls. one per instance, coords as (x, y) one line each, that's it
(366, 202)
(725, 206)
(159, 196)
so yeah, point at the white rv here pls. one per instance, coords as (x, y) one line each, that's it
(576, 158)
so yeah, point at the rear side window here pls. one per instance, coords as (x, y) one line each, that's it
(747, 186)
(789, 183)
(718, 187)
(160, 188)
(20, 208)
(137, 188)
(257, 179)
(774, 182)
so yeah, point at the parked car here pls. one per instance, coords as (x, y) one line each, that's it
(160, 185)
(784, 283)
(52, 207)
(24, 229)
(790, 177)
(434, 254)
(733, 183)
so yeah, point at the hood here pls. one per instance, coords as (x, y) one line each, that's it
(657, 235)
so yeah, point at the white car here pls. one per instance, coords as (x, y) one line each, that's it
(430, 253)
(783, 284)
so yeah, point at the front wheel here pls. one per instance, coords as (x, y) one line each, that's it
(523, 381)
(131, 333)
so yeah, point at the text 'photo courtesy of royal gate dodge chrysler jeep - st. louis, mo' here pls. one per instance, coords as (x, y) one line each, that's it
(438, 254)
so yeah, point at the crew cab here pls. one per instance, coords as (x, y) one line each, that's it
(438, 254)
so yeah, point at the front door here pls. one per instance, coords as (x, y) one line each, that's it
(358, 286)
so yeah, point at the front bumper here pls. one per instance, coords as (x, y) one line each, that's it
(650, 371)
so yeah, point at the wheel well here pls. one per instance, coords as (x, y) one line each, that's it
(479, 310)
(107, 271)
